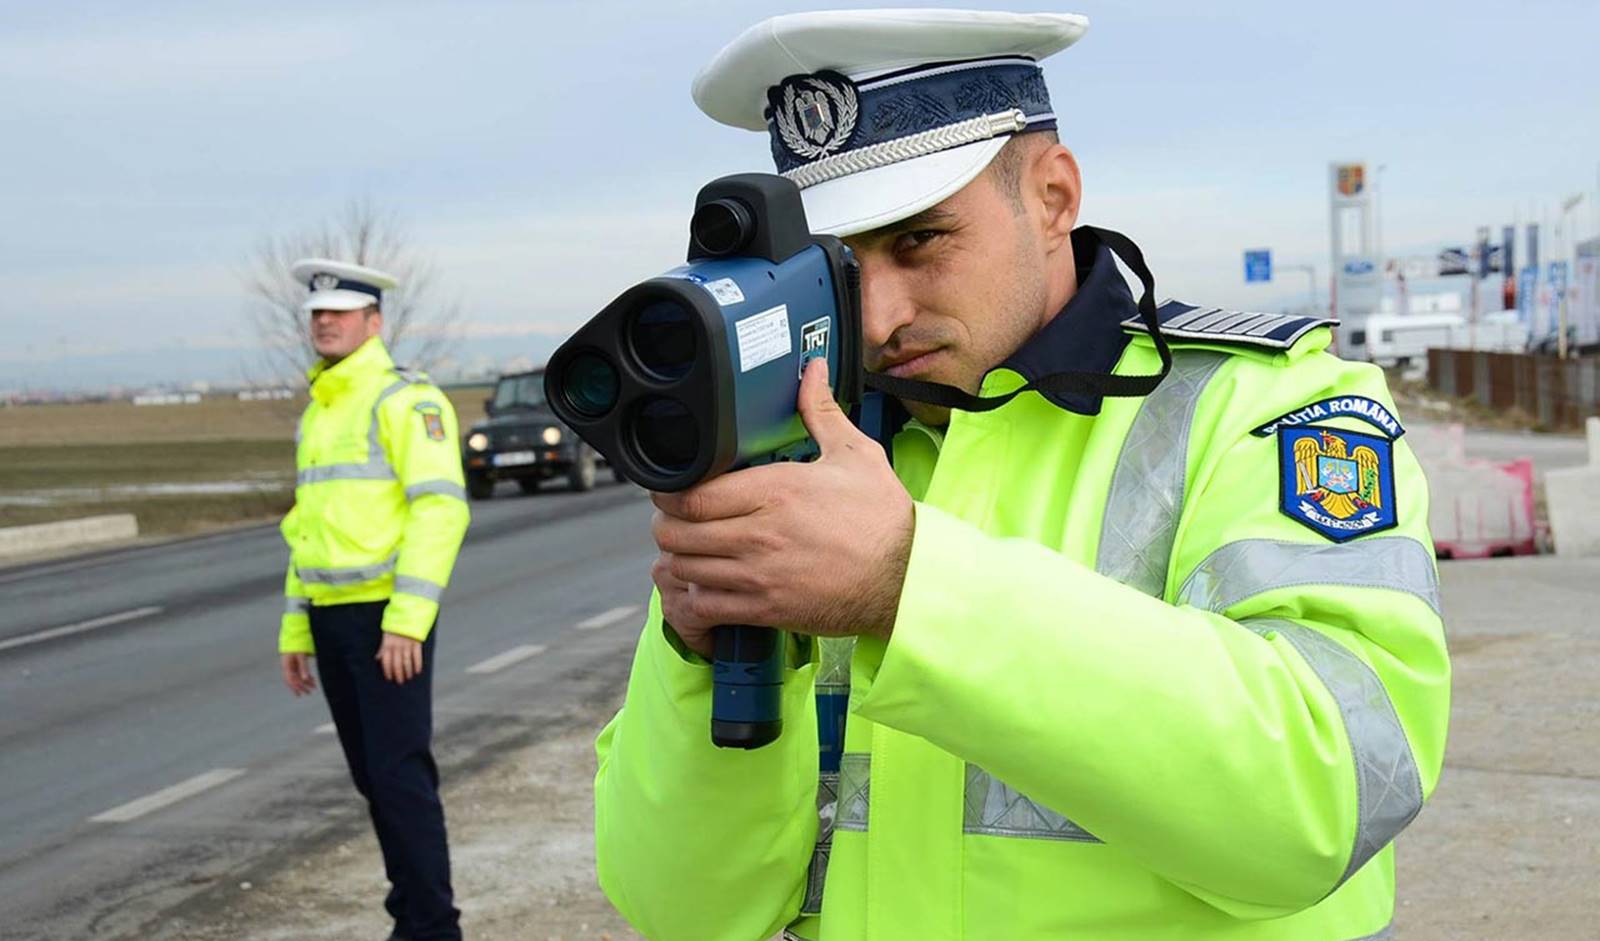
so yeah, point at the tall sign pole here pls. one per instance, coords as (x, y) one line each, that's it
(1357, 277)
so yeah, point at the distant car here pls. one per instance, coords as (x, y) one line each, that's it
(522, 440)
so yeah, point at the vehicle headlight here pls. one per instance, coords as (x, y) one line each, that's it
(552, 435)
(478, 441)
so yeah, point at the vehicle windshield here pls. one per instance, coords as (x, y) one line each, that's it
(519, 392)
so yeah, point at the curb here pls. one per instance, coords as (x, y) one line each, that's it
(68, 534)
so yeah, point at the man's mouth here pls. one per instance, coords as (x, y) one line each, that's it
(912, 364)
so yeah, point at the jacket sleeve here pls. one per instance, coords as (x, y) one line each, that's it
(1254, 736)
(294, 629)
(420, 437)
(695, 842)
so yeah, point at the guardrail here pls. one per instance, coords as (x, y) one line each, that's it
(1555, 393)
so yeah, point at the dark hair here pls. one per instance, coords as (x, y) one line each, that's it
(1008, 163)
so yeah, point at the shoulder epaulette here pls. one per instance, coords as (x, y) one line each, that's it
(414, 376)
(1180, 321)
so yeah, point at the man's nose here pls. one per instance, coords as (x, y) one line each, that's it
(886, 302)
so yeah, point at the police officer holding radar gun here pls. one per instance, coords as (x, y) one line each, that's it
(1129, 631)
(379, 515)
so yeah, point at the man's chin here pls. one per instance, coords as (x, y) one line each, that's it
(932, 415)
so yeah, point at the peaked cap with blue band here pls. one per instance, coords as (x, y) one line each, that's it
(336, 285)
(879, 114)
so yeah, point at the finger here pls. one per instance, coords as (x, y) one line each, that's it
(703, 571)
(825, 421)
(719, 606)
(730, 539)
(386, 662)
(416, 659)
(723, 497)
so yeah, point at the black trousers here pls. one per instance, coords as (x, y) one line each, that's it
(385, 729)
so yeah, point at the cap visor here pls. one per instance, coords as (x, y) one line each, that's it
(873, 198)
(338, 300)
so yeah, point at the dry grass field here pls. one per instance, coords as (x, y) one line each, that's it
(178, 468)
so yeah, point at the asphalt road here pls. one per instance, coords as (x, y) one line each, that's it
(145, 734)
(148, 750)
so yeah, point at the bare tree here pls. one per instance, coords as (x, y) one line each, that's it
(418, 328)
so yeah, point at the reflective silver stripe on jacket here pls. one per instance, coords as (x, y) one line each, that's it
(326, 472)
(855, 786)
(1146, 495)
(444, 488)
(296, 605)
(817, 871)
(1244, 569)
(347, 576)
(421, 587)
(377, 466)
(994, 808)
(375, 450)
(1388, 787)
(833, 678)
(1137, 533)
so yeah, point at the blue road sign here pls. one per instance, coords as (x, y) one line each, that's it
(1258, 265)
(1557, 276)
(1527, 291)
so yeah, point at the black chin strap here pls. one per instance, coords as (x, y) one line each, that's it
(1061, 383)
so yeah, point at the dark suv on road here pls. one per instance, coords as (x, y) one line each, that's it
(522, 440)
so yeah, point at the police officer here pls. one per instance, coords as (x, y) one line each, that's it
(1137, 642)
(379, 515)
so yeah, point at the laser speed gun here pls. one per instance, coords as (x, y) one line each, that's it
(696, 372)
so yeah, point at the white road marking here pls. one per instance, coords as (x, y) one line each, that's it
(78, 628)
(502, 660)
(166, 797)
(325, 728)
(607, 618)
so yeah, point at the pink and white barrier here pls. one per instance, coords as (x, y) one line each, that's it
(1477, 508)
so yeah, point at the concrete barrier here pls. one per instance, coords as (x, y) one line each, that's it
(1573, 497)
(68, 534)
(1476, 508)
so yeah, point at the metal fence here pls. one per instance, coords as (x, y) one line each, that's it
(1553, 392)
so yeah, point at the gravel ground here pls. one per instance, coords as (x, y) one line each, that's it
(1507, 848)
(522, 851)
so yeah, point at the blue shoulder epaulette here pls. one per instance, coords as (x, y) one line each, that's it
(1180, 321)
(412, 375)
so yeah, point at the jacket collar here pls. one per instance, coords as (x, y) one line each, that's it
(330, 380)
(1086, 335)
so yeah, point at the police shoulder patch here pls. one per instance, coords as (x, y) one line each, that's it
(432, 419)
(1182, 321)
(1359, 407)
(1334, 482)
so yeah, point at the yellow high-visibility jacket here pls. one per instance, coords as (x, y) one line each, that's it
(1170, 671)
(380, 510)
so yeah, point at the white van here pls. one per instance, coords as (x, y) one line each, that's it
(1400, 339)
(1404, 339)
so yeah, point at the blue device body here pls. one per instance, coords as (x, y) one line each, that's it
(776, 318)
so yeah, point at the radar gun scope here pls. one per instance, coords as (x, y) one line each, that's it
(696, 372)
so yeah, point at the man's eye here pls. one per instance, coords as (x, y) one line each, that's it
(912, 241)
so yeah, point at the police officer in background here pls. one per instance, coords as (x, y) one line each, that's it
(379, 516)
(1137, 642)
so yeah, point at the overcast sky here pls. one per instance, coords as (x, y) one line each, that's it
(546, 153)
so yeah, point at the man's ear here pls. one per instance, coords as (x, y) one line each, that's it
(1058, 187)
(374, 321)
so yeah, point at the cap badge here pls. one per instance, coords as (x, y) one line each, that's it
(324, 282)
(815, 114)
